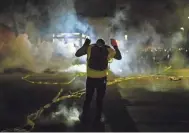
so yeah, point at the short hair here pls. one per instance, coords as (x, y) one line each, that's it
(100, 41)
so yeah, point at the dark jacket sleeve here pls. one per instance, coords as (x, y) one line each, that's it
(118, 55)
(82, 51)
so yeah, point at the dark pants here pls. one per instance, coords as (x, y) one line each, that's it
(92, 84)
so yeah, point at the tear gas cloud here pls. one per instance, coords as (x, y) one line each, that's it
(44, 54)
(36, 54)
(68, 115)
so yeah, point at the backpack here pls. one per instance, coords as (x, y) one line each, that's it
(98, 58)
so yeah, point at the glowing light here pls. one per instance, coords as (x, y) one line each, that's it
(188, 17)
(182, 28)
(126, 37)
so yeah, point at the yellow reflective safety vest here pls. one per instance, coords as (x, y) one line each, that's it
(99, 74)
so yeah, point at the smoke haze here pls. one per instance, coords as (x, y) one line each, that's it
(37, 54)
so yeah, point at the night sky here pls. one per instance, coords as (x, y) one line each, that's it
(98, 8)
(157, 12)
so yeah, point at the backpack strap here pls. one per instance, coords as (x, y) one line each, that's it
(89, 52)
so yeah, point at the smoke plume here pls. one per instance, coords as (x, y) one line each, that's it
(66, 115)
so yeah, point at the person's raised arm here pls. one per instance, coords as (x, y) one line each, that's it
(83, 50)
(117, 55)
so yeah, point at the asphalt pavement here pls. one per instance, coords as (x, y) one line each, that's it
(139, 110)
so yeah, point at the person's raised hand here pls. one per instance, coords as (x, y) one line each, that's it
(87, 41)
(114, 43)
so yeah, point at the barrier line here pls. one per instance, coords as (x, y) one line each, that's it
(31, 119)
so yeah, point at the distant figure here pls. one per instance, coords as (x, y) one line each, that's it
(98, 57)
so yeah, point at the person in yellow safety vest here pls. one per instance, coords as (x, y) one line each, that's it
(98, 57)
